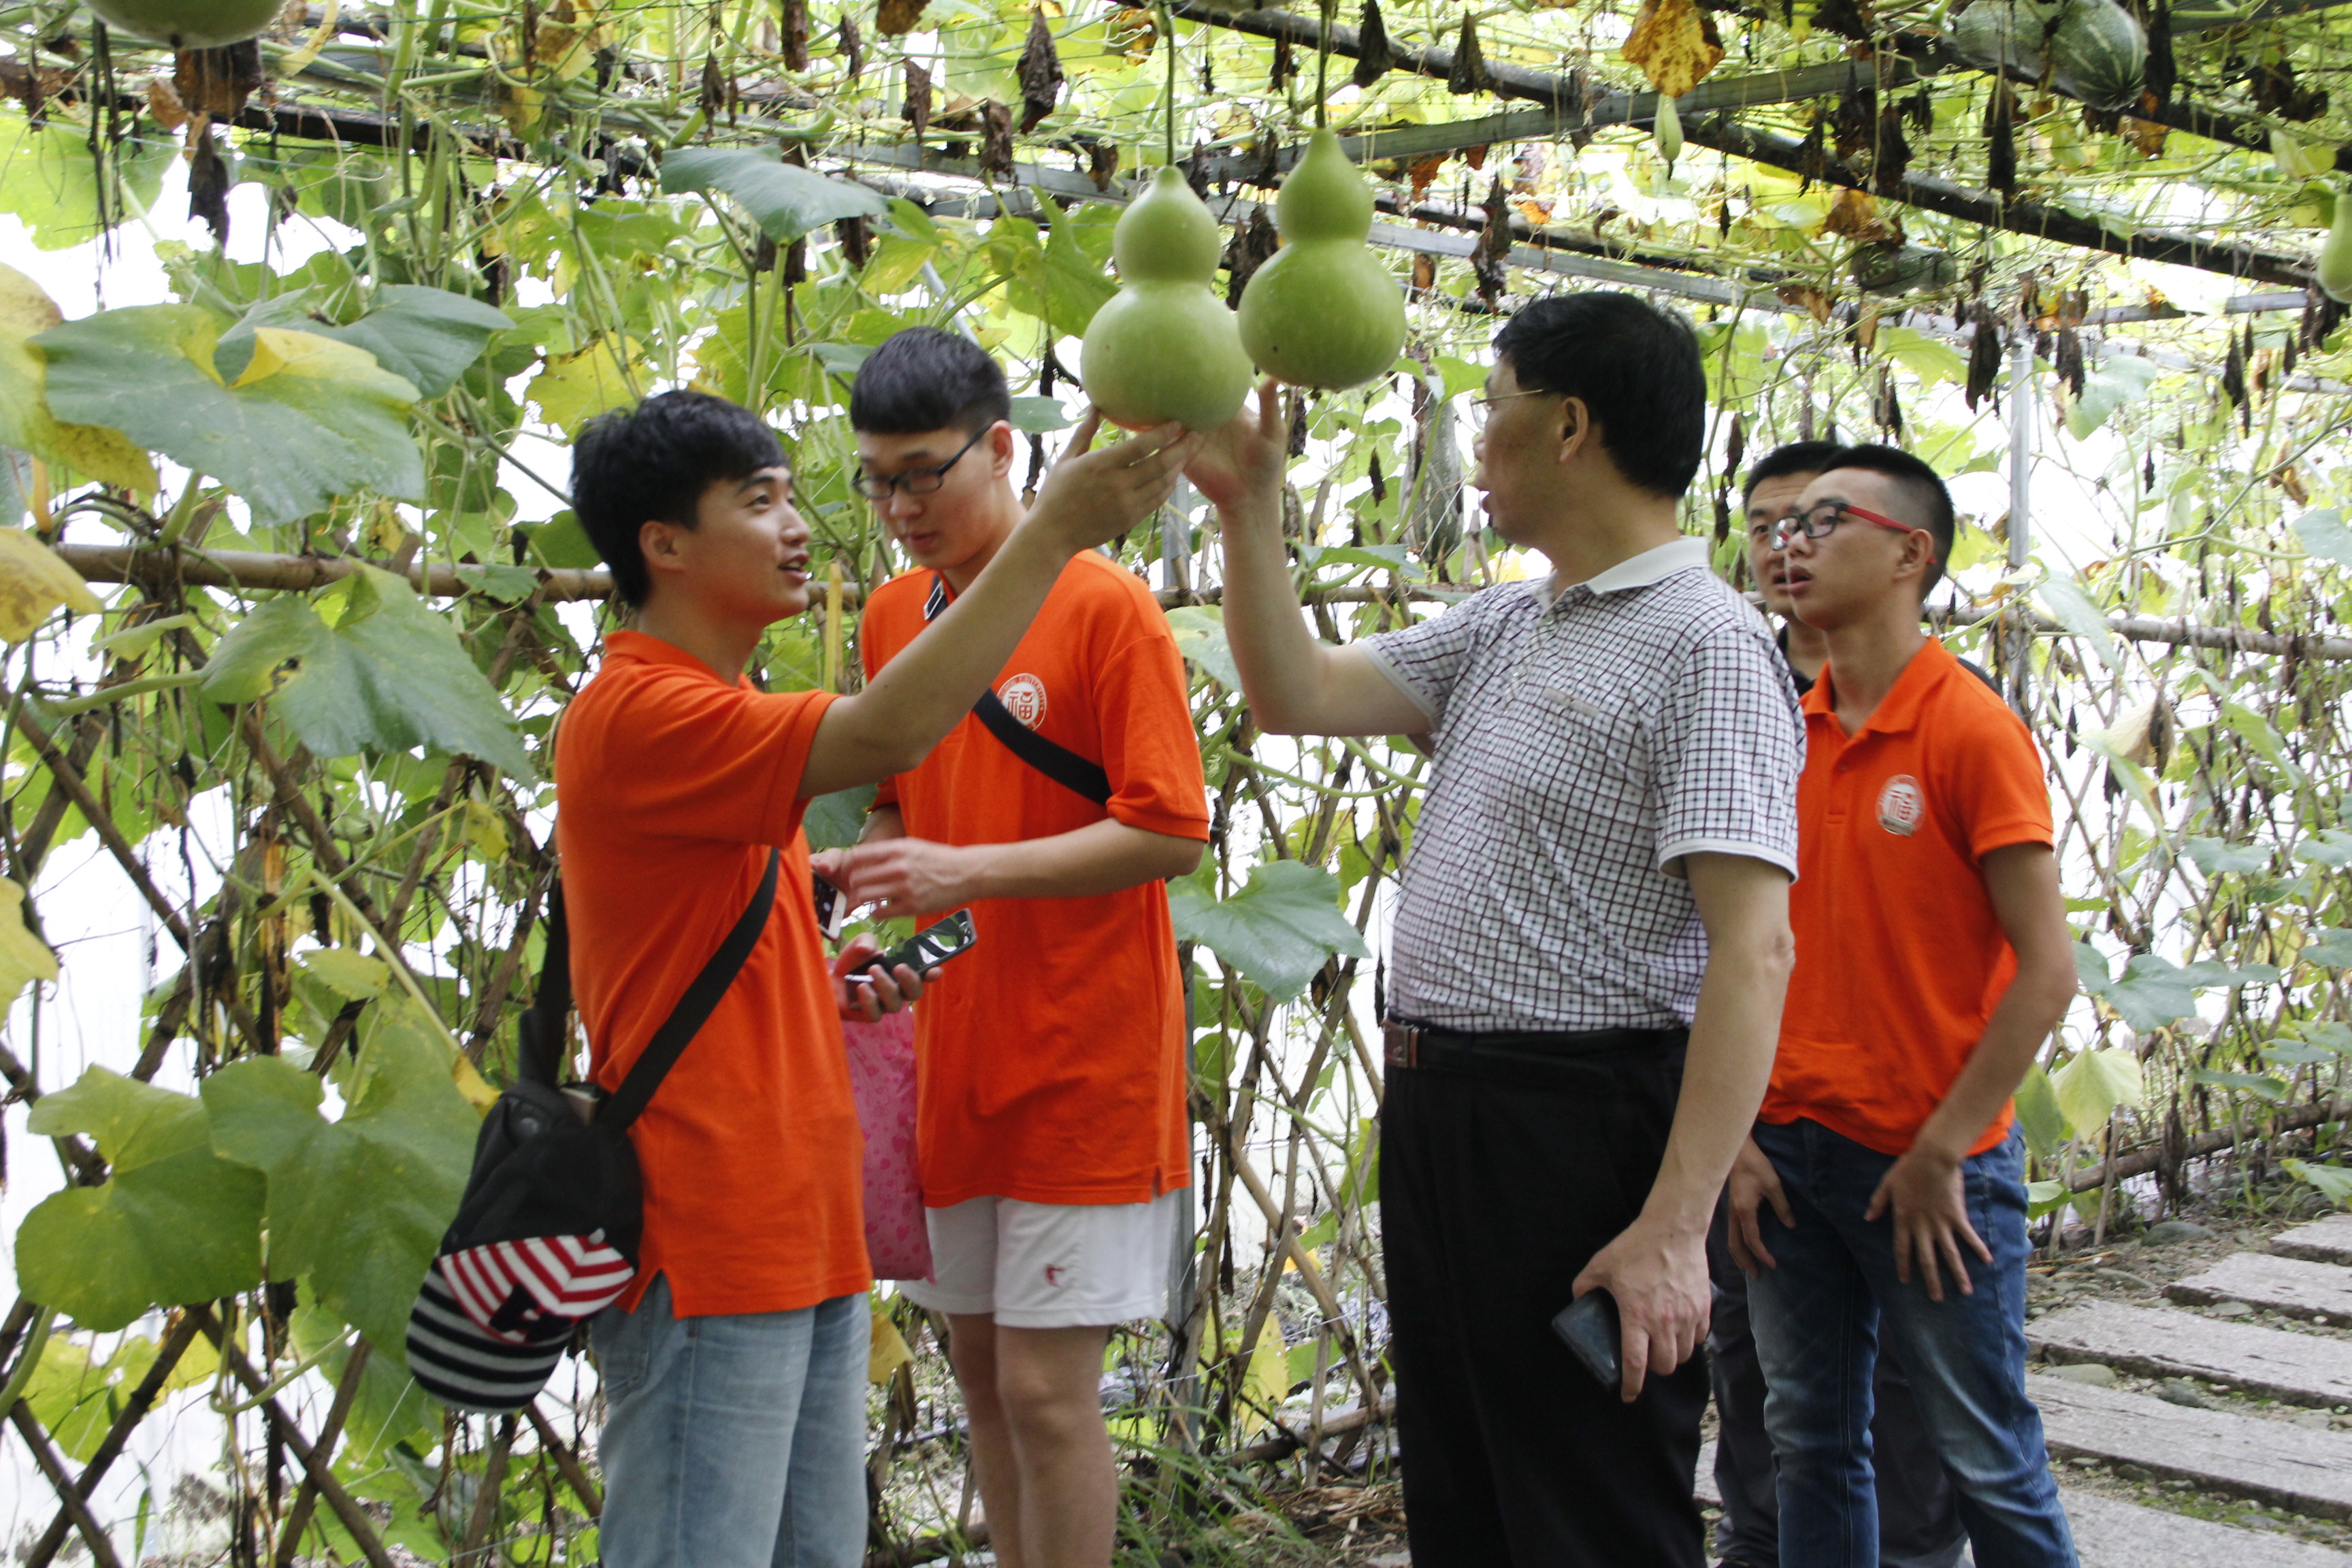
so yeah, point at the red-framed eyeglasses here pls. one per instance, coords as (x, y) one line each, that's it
(1818, 521)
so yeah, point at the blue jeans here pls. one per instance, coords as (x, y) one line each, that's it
(733, 1442)
(1817, 1318)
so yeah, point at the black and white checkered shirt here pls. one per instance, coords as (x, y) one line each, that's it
(1585, 745)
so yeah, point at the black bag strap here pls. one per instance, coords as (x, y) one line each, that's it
(1056, 761)
(542, 1026)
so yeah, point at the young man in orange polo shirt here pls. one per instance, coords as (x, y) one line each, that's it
(734, 1372)
(1883, 1194)
(1051, 1120)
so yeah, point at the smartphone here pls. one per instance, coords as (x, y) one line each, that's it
(832, 909)
(925, 951)
(1588, 1327)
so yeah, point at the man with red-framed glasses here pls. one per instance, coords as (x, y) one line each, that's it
(1883, 1195)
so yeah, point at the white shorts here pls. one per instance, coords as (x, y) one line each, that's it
(1050, 1266)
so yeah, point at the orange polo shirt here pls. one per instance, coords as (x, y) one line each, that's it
(1051, 1059)
(1900, 958)
(672, 785)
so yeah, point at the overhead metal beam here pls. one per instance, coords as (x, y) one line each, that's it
(1569, 95)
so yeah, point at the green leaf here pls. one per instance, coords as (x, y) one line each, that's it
(2152, 992)
(2329, 847)
(307, 420)
(2261, 1084)
(354, 976)
(2334, 1181)
(2091, 968)
(358, 1205)
(389, 1407)
(1929, 359)
(2041, 1197)
(561, 542)
(2038, 1112)
(786, 200)
(2071, 608)
(1199, 632)
(2123, 379)
(2330, 945)
(25, 421)
(2091, 1084)
(390, 673)
(427, 336)
(2323, 534)
(1039, 415)
(52, 182)
(834, 821)
(2256, 731)
(1281, 928)
(2214, 856)
(173, 1224)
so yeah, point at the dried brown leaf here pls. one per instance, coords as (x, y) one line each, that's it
(1040, 72)
(894, 17)
(917, 110)
(1675, 43)
(1373, 60)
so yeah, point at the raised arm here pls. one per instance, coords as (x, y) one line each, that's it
(1296, 684)
(915, 698)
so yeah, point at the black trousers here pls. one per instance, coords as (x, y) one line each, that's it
(1499, 1180)
(1919, 1513)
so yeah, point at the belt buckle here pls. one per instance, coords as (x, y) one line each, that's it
(1401, 1045)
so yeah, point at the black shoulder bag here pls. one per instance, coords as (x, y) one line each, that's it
(1056, 761)
(546, 1234)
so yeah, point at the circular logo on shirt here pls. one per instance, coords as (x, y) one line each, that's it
(1900, 804)
(1024, 697)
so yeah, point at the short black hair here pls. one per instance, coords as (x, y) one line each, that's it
(925, 379)
(1637, 368)
(1920, 484)
(652, 464)
(1796, 457)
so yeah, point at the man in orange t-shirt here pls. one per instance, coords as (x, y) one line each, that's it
(1883, 1194)
(734, 1372)
(1051, 1117)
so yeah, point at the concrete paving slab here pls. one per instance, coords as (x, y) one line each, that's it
(2158, 1341)
(2319, 1292)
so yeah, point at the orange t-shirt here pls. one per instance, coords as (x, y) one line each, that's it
(1900, 958)
(672, 783)
(1051, 1058)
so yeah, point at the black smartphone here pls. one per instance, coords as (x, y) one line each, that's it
(832, 909)
(1588, 1327)
(925, 951)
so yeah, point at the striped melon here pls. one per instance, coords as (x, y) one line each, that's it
(2099, 54)
(1994, 33)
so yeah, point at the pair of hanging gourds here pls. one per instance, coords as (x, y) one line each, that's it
(1321, 312)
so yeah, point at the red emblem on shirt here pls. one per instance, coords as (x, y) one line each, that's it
(1024, 697)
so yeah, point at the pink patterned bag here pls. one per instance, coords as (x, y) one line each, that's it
(882, 1077)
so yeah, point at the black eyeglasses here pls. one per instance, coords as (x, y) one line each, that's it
(915, 482)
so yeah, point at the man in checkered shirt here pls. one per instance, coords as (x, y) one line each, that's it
(1597, 894)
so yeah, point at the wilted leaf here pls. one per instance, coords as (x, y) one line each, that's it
(173, 1224)
(1675, 44)
(358, 1205)
(310, 419)
(25, 421)
(894, 17)
(390, 673)
(786, 200)
(572, 389)
(2091, 1084)
(33, 583)
(885, 1350)
(1282, 927)
(1040, 70)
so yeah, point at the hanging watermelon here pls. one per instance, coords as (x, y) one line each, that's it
(1994, 33)
(2099, 54)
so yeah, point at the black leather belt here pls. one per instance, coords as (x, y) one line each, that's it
(1416, 1046)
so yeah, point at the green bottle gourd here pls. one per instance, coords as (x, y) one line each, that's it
(2335, 256)
(1323, 312)
(1164, 347)
(189, 24)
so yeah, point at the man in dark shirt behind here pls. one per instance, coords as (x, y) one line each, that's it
(1918, 1523)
